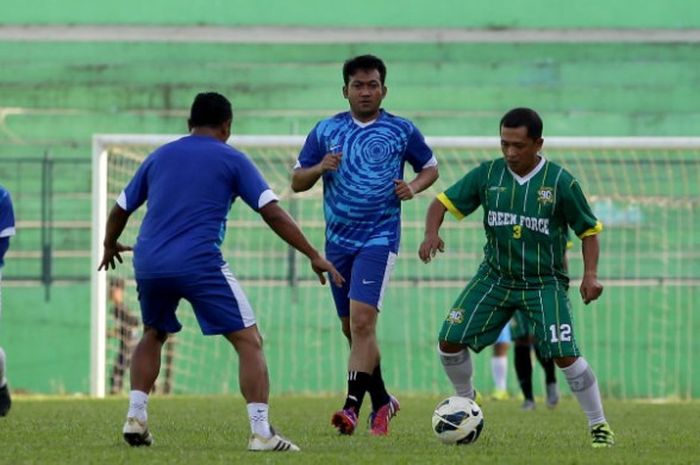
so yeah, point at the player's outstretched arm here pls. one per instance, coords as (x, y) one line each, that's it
(590, 289)
(304, 179)
(432, 243)
(116, 222)
(284, 226)
(407, 190)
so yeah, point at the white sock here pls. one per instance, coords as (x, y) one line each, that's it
(585, 387)
(459, 369)
(258, 416)
(3, 380)
(138, 405)
(499, 370)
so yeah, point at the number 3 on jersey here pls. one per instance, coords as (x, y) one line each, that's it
(517, 231)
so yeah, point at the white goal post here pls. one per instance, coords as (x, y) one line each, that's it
(635, 182)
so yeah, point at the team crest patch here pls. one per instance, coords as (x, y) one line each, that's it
(456, 316)
(545, 195)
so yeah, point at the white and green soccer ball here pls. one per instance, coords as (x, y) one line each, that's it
(458, 420)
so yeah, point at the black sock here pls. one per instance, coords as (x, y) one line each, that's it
(358, 382)
(523, 368)
(548, 366)
(377, 390)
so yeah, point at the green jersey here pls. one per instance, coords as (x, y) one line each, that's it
(525, 218)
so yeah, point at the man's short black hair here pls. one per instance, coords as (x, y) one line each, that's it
(365, 63)
(527, 117)
(117, 283)
(210, 109)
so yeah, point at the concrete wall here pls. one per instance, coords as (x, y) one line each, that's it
(674, 14)
(55, 96)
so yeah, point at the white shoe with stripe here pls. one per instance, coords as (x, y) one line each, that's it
(136, 433)
(276, 443)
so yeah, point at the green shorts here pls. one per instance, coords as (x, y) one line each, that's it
(485, 306)
(519, 327)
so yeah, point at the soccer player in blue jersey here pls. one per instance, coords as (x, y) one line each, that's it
(529, 203)
(360, 154)
(189, 185)
(499, 365)
(7, 230)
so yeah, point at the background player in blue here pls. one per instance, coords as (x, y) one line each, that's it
(7, 230)
(190, 185)
(361, 155)
(529, 203)
(499, 365)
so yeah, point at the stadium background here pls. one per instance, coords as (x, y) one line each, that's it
(55, 94)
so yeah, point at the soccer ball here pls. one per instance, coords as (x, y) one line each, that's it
(458, 420)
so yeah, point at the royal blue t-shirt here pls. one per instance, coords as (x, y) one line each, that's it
(360, 205)
(190, 185)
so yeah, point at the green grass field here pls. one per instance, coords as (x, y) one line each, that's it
(198, 430)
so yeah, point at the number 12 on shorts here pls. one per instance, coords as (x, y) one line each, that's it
(564, 333)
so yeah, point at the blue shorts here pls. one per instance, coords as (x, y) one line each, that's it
(218, 301)
(366, 273)
(504, 337)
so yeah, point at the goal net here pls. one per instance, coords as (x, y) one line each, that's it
(639, 336)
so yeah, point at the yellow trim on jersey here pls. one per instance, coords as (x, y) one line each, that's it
(450, 206)
(593, 231)
(569, 244)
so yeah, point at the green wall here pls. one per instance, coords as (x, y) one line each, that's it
(528, 14)
(57, 95)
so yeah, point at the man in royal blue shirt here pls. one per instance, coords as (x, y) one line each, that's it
(7, 230)
(360, 154)
(190, 185)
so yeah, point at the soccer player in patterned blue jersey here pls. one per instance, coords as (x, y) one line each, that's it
(360, 154)
(190, 185)
(7, 230)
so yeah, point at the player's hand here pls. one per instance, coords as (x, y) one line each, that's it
(430, 247)
(331, 162)
(320, 266)
(590, 289)
(112, 252)
(403, 190)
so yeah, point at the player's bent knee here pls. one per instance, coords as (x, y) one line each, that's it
(450, 347)
(563, 362)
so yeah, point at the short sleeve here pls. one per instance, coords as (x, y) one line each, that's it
(462, 198)
(312, 152)
(576, 209)
(251, 186)
(418, 154)
(136, 192)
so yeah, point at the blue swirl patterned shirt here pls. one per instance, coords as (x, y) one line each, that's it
(360, 206)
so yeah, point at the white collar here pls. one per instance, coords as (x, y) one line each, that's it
(523, 179)
(363, 124)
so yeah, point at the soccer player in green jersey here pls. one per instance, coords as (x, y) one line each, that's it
(529, 202)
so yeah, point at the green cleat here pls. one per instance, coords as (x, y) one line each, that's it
(602, 436)
(499, 394)
(478, 398)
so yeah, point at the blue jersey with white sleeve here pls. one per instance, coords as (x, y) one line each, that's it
(7, 223)
(360, 206)
(190, 185)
